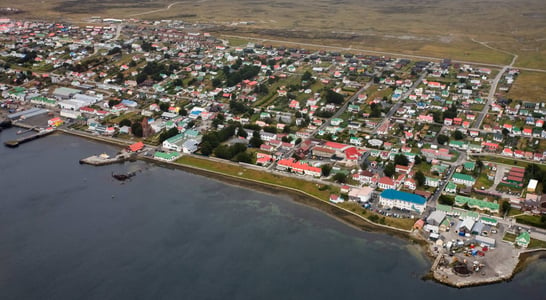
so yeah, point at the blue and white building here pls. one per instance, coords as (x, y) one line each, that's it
(392, 198)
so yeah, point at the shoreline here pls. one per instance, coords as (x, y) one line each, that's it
(346, 216)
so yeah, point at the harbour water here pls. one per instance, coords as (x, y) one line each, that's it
(70, 231)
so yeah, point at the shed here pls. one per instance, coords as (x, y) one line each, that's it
(436, 217)
(483, 240)
(477, 228)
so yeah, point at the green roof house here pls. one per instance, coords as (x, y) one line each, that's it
(523, 239)
(469, 165)
(476, 203)
(460, 178)
(451, 188)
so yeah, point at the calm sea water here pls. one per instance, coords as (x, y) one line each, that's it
(68, 231)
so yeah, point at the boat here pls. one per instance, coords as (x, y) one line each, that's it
(123, 177)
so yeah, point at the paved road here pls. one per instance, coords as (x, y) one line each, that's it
(491, 97)
(395, 107)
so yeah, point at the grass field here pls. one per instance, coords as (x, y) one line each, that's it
(258, 175)
(529, 86)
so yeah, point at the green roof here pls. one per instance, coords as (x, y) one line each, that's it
(166, 156)
(175, 139)
(475, 203)
(469, 165)
(456, 143)
(523, 239)
(489, 220)
(444, 208)
(463, 177)
(451, 186)
(44, 99)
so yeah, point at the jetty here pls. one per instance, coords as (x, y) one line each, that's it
(39, 134)
(104, 159)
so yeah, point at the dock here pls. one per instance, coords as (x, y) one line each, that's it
(17, 142)
(103, 159)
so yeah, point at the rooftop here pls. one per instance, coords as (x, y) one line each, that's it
(394, 194)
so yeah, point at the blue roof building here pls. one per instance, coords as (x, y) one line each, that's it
(392, 198)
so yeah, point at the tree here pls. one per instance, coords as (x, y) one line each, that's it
(532, 171)
(417, 159)
(168, 134)
(446, 200)
(479, 164)
(112, 102)
(437, 116)
(222, 151)
(306, 76)
(340, 177)
(206, 148)
(389, 170)
(420, 178)
(333, 97)
(401, 159)
(125, 122)
(255, 141)
(164, 106)
(505, 207)
(442, 139)
(136, 129)
(458, 135)
(243, 157)
(326, 169)
(505, 132)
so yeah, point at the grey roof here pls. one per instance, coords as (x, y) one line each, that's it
(436, 217)
(478, 227)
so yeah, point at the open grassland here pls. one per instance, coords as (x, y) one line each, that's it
(529, 86)
(442, 28)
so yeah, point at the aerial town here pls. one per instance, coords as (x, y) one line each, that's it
(432, 147)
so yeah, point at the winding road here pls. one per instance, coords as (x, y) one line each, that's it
(165, 9)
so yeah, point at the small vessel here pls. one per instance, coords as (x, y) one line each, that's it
(123, 177)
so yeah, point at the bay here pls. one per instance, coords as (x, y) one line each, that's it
(69, 231)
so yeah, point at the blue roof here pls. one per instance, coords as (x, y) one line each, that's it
(394, 194)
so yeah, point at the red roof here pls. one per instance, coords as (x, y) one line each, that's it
(386, 180)
(351, 153)
(136, 146)
(335, 145)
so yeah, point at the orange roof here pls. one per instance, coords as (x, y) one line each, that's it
(136, 146)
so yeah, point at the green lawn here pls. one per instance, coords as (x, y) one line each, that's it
(483, 181)
(260, 176)
(510, 237)
(534, 244)
(531, 220)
